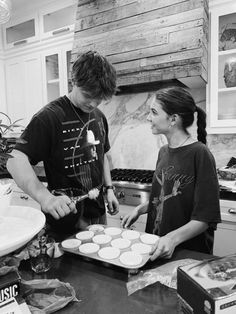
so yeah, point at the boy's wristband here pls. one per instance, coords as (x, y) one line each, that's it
(108, 187)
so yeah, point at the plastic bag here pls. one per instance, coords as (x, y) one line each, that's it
(44, 296)
(166, 274)
(8, 264)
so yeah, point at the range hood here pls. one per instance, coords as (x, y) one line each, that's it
(148, 41)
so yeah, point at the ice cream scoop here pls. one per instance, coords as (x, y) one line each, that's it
(92, 194)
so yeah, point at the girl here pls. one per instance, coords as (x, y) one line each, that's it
(183, 208)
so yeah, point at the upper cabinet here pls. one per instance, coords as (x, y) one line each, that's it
(20, 32)
(52, 21)
(222, 96)
(37, 57)
(57, 20)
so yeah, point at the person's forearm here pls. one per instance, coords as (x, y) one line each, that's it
(142, 208)
(25, 177)
(188, 231)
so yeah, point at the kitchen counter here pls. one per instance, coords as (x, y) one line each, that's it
(102, 290)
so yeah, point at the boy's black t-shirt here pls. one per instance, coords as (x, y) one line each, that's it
(184, 188)
(51, 137)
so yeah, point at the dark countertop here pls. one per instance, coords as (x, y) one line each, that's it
(102, 289)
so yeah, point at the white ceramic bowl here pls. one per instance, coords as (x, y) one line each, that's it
(96, 228)
(72, 244)
(113, 231)
(109, 253)
(121, 243)
(89, 248)
(102, 239)
(19, 224)
(85, 236)
(148, 238)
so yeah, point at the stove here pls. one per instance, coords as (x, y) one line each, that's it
(133, 186)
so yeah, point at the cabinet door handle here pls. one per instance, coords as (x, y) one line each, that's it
(232, 211)
(62, 30)
(20, 42)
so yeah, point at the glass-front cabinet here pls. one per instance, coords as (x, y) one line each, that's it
(68, 68)
(58, 20)
(21, 31)
(52, 76)
(56, 68)
(222, 100)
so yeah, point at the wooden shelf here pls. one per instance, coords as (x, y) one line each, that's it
(227, 52)
(227, 89)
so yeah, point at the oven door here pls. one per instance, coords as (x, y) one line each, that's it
(115, 221)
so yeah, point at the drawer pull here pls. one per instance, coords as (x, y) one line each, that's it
(232, 211)
(20, 42)
(62, 30)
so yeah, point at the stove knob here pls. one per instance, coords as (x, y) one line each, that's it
(121, 194)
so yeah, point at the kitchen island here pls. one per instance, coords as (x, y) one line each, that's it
(102, 289)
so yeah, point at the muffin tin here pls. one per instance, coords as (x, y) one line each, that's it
(124, 250)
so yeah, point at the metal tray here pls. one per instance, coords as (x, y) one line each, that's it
(107, 262)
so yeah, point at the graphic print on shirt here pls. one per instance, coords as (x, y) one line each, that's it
(80, 151)
(102, 129)
(179, 183)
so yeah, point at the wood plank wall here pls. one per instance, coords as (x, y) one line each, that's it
(146, 40)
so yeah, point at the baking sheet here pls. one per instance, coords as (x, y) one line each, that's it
(116, 261)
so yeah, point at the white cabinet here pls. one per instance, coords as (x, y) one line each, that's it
(225, 234)
(21, 31)
(56, 67)
(115, 221)
(37, 59)
(33, 80)
(57, 19)
(24, 87)
(15, 89)
(54, 19)
(222, 96)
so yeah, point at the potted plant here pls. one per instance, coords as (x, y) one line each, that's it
(7, 142)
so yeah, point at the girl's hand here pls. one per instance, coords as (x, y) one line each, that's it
(164, 248)
(129, 219)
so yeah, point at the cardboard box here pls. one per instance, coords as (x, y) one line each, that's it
(12, 306)
(9, 286)
(208, 286)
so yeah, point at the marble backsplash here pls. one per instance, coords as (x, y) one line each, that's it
(223, 147)
(132, 143)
